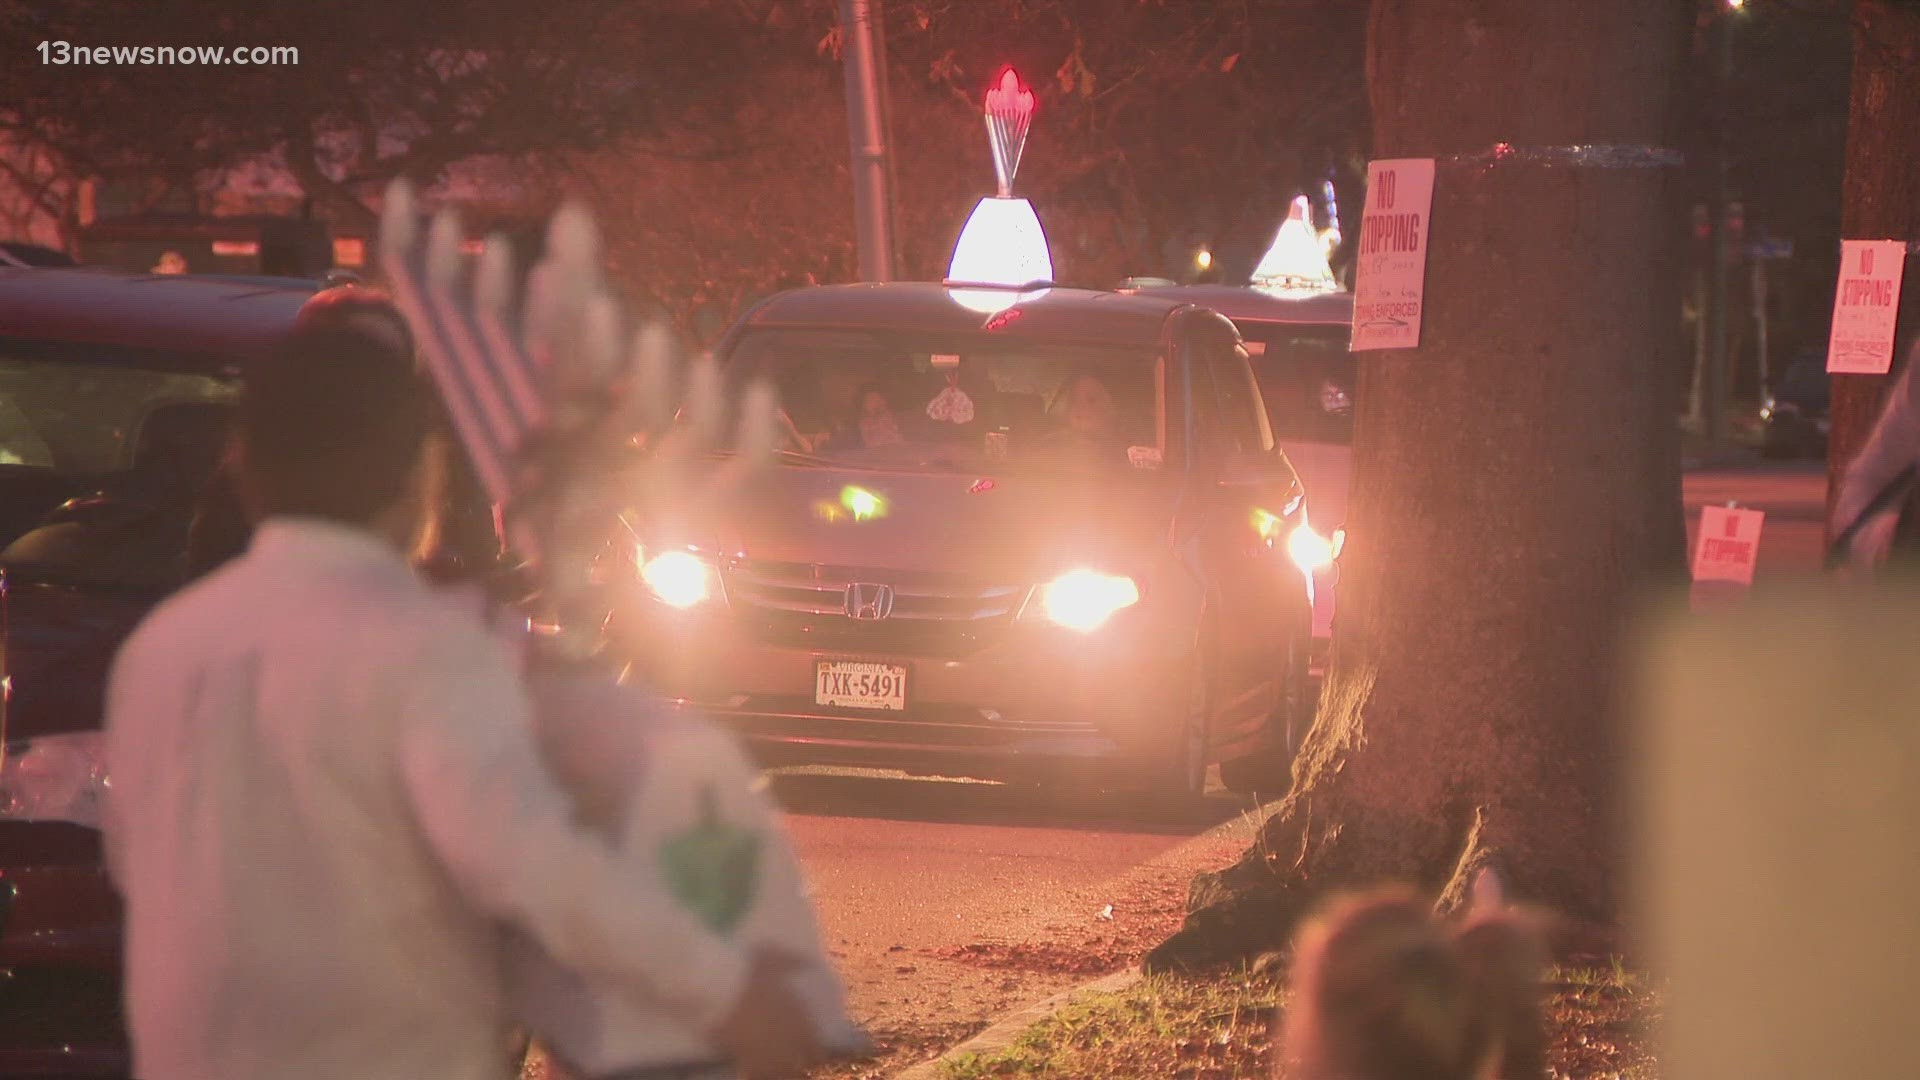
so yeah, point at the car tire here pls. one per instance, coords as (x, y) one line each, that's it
(1268, 771)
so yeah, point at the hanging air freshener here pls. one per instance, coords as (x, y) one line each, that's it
(952, 405)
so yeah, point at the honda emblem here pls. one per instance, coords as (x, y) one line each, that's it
(868, 603)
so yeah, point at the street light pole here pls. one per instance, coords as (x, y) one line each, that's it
(866, 130)
(1718, 287)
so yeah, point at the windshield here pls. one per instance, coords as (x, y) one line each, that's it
(1308, 379)
(945, 402)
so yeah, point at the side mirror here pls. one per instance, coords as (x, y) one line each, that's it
(1249, 468)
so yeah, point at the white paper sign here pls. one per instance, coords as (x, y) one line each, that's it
(1865, 306)
(1729, 544)
(1390, 274)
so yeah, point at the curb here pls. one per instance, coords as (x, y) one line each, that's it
(1727, 459)
(1002, 1032)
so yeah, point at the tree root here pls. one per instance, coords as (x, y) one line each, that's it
(1254, 906)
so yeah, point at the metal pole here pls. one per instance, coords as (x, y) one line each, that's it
(1696, 403)
(866, 130)
(1718, 300)
(1760, 321)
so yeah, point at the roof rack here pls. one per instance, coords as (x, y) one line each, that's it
(1001, 286)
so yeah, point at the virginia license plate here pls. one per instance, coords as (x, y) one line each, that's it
(859, 684)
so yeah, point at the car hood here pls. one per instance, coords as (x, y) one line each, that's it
(936, 521)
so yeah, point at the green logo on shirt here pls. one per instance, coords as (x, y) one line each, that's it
(713, 867)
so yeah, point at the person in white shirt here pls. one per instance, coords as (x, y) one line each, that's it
(680, 800)
(326, 800)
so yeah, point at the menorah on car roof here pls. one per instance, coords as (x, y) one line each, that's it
(1002, 247)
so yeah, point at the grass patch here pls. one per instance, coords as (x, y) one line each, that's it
(1161, 1026)
(1219, 1028)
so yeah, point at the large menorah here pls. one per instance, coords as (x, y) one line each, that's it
(549, 396)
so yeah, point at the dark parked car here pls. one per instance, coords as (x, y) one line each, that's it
(1794, 416)
(115, 396)
(17, 253)
(1049, 537)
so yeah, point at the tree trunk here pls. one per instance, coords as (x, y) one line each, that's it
(1881, 195)
(1516, 480)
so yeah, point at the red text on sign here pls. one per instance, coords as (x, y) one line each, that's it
(1389, 232)
(1864, 293)
(1721, 550)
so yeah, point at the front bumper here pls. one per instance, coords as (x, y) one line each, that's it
(981, 700)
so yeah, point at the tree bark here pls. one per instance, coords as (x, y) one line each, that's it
(1516, 481)
(1881, 196)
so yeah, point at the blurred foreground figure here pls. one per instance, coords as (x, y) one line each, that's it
(326, 795)
(1872, 519)
(549, 404)
(221, 526)
(1383, 990)
(1778, 750)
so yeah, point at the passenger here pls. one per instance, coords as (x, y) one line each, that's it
(877, 424)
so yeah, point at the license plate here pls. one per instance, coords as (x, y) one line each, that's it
(859, 684)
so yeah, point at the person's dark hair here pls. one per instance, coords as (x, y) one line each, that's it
(332, 423)
(1382, 990)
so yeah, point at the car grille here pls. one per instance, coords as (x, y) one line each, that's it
(934, 614)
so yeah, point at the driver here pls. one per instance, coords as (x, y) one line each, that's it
(1092, 418)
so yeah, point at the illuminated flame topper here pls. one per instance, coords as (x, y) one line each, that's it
(1296, 260)
(1009, 116)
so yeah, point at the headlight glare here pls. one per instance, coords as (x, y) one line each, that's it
(1084, 599)
(1309, 551)
(678, 578)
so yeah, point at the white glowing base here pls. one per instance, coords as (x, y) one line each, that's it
(992, 301)
(1002, 244)
(1296, 260)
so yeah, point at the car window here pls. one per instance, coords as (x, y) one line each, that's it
(94, 420)
(1233, 418)
(1308, 380)
(940, 401)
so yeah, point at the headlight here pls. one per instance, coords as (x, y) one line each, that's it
(1084, 599)
(678, 578)
(1309, 551)
(55, 778)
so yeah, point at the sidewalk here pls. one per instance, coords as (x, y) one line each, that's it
(1699, 452)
